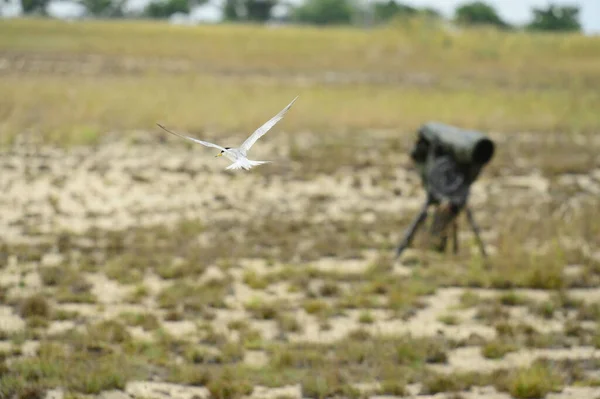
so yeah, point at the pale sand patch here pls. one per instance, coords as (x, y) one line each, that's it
(154, 283)
(55, 394)
(180, 329)
(256, 359)
(52, 259)
(287, 392)
(588, 295)
(346, 266)
(575, 393)
(212, 273)
(60, 326)
(86, 310)
(30, 348)
(5, 346)
(9, 321)
(107, 291)
(470, 358)
(267, 328)
(113, 395)
(139, 333)
(160, 390)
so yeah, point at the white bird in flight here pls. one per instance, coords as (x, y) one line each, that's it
(238, 155)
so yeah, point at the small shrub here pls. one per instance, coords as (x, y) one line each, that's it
(366, 318)
(262, 310)
(496, 349)
(35, 306)
(533, 382)
(51, 276)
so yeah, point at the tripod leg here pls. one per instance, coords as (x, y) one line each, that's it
(444, 219)
(416, 223)
(455, 235)
(475, 228)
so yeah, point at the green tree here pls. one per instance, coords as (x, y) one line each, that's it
(431, 12)
(104, 8)
(34, 6)
(478, 13)
(325, 12)
(555, 18)
(390, 9)
(165, 8)
(384, 11)
(248, 10)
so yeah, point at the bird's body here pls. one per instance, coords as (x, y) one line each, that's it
(238, 156)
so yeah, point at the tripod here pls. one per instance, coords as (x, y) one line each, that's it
(448, 191)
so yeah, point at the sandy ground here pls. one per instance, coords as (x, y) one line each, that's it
(120, 185)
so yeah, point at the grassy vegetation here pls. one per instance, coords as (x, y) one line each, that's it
(386, 78)
(391, 78)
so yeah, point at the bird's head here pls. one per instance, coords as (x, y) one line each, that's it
(222, 152)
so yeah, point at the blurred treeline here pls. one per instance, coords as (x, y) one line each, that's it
(553, 17)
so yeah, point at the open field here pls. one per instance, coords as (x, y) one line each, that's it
(76, 82)
(134, 266)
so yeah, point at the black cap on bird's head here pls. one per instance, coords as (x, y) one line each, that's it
(221, 153)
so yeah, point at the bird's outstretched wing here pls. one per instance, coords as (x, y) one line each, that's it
(204, 143)
(258, 133)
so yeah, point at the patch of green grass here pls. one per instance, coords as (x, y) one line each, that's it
(74, 287)
(545, 309)
(288, 323)
(366, 317)
(436, 383)
(75, 371)
(411, 351)
(393, 388)
(589, 312)
(232, 352)
(469, 299)
(263, 310)
(449, 319)
(193, 298)
(533, 382)
(511, 298)
(138, 294)
(51, 276)
(61, 315)
(252, 339)
(256, 281)
(147, 321)
(329, 289)
(491, 311)
(172, 270)
(317, 307)
(329, 383)
(203, 355)
(405, 296)
(497, 349)
(189, 374)
(35, 306)
(228, 385)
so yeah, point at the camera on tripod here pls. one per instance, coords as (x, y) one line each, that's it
(448, 160)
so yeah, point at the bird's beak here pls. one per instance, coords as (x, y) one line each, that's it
(218, 155)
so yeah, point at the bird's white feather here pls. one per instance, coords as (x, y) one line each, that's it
(245, 163)
(204, 143)
(258, 133)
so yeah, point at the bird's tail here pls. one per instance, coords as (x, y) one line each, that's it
(245, 164)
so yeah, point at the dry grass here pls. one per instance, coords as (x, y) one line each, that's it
(393, 78)
(201, 331)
